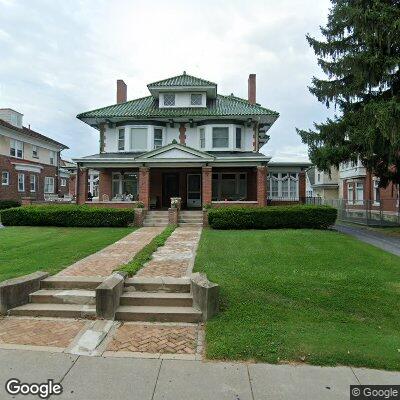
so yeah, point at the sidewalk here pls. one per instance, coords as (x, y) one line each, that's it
(100, 378)
(388, 243)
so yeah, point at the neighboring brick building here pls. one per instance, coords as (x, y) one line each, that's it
(29, 162)
(185, 140)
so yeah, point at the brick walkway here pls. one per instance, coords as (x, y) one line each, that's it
(39, 332)
(155, 338)
(106, 260)
(175, 259)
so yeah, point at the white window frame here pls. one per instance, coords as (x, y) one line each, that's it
(376, 191)
(6, 181)
(35, 151)
(15, 147)
(236, 137)
(52, 157)
(21, 180)
(201, 99)
(121, 140)
(157, 146)
(212, 137)
(350, 193)
(202, 138)
(32, 181)
(359, 199)
(63, 182)
(49, 182)
(130, 137)
(119, 178)
(283, 178)
(172, 101)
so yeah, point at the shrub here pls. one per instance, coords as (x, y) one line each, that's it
(67, 215)
(9, 204)
(298, 216)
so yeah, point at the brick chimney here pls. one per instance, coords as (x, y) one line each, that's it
(121, 91)
(252, 88)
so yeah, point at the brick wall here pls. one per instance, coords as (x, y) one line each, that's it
(11, 191)
(262, 185)
(144, 186)
(105, 184)
(206, 185)
(82, 187)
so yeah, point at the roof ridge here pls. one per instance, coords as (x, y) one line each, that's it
(178, 76)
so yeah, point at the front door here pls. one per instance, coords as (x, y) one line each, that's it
(194, 190)
(170, 188)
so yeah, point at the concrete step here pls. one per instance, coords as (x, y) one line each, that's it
(168, 285)
(190, 223)
(54, 296)
(156, 299)
(150, 224)
(191, 213)
(54, 310)
(156, 219)
(157, 214)
(158, 314)
(191, 220)
(71, 282)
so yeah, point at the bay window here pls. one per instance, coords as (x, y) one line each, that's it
(220, 137)
(138, 139)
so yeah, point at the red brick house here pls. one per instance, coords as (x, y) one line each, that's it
(29, 162)
(183, 140)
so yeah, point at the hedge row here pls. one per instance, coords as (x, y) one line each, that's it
(9, 204)
(301, 216)
(67, 215)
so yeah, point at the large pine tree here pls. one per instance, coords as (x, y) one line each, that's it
(360, 55)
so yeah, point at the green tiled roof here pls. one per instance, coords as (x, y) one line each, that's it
(148, 107)
(182, 80)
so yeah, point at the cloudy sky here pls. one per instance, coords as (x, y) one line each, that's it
(59, 58)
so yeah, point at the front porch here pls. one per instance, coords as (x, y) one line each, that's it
(196, 186)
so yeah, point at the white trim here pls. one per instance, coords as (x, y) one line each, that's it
(7, 183)
(23, 182)
(281, 179)
(34, 183)
(27, 167)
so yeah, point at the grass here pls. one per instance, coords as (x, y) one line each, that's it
(319, 297)
(24, 250)
(145, 253)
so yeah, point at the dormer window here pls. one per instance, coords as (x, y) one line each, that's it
(196, 99)
(169, 99)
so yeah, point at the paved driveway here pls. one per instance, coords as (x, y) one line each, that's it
(384, 242)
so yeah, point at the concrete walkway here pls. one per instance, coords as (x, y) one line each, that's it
(176, 258)
(102, 378)
(106, 260)
(388, 243)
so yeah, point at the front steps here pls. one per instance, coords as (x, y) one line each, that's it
(157, 300)
(144, 299)
(156, 218)
(190, 218)
(62, 296)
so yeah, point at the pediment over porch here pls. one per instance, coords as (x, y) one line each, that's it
(175, 151)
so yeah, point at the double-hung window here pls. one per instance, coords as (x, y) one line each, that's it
(238, 137)
(121, 139)
(158, 138)
(63, 182)
(35, 152)
(377, 192)
(284, 185)
(220, 137)
(202, 138)
(138, 139)
(49, 184)
(52, 156)
(32, 181)
(359, 192)
(5, 178)
(350, 192)
(21, 182)
(169, 99)
(16, 148)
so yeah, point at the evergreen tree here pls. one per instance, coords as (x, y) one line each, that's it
(360, 55)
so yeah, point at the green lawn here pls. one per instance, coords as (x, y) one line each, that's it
(301, 295)
(24, 250)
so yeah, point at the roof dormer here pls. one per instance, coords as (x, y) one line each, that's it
(186, 84)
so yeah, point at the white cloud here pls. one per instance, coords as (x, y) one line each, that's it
(62, 58)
